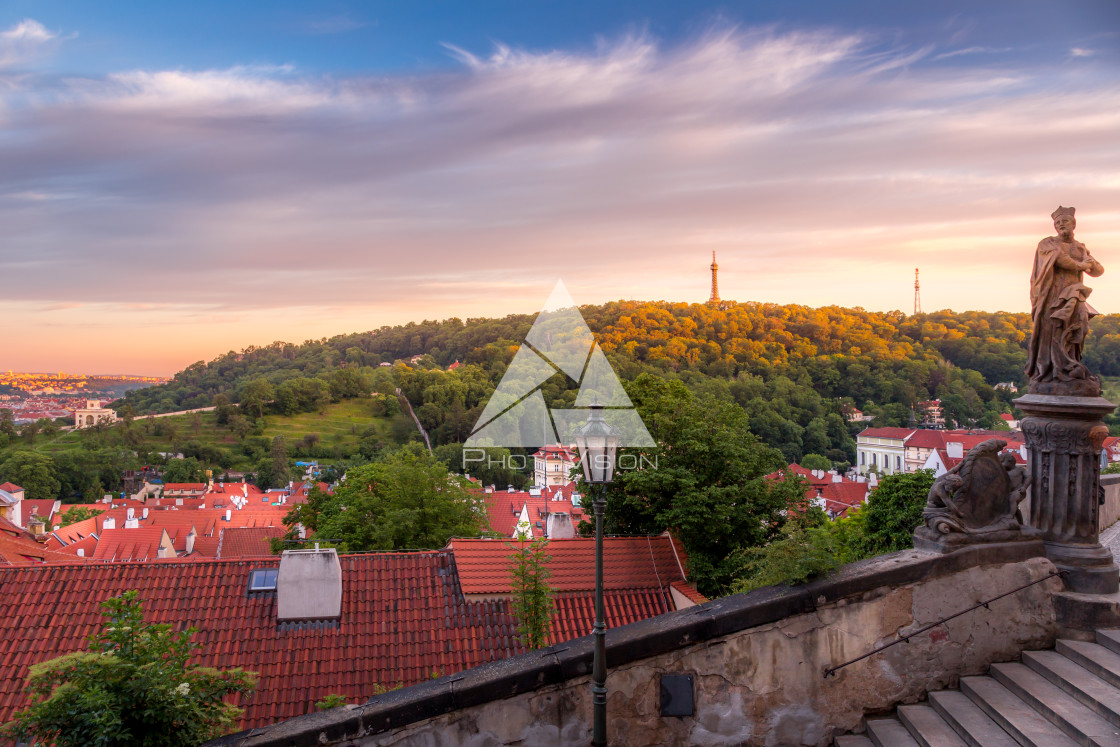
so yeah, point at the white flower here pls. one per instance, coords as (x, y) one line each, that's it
(183, 689)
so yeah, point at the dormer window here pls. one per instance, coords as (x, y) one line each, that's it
(262, 579)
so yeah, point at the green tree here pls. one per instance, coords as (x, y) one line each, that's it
(275, 470)
(816, 461)
(76, 514)
(404, 500)
(532, 597)
(257, 395)
(35, 473)
(133, 687)
(709, 486)
(894, 510)
(188, 469)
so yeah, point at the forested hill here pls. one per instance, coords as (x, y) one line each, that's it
(788, 365)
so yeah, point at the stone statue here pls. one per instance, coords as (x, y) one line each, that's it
(976, 501)
(1061, 312)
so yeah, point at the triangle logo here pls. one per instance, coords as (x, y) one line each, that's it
(558, 342)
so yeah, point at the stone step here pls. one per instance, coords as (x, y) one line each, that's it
(887, 732)
(1027, 726)
(971, 724)
(1089, 689)
(1061, 709)
(1096, 658)
(927, 727)
(1109, 638)
(852, 740)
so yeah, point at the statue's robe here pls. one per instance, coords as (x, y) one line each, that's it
(1060, 312)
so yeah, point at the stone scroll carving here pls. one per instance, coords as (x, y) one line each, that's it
(976, 501)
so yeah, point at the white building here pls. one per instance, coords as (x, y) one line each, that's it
(92, 414)
(552, 465)
(882, 448)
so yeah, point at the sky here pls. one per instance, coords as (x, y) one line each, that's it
(178, 180)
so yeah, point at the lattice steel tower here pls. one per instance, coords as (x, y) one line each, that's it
(715, 284)
(917, 294)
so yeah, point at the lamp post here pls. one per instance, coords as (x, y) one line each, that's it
(597, 443)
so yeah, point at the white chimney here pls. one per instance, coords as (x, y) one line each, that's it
(109, 523)
(131, 513)
(309, 585)
(132, 523)
(954, 449)
(559, 526)
(245, 490)
(81, 552)
(145, 513)
(836, 477)
(229, 514)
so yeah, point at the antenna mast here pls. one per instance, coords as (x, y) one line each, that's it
(714, 298)
(917, 294)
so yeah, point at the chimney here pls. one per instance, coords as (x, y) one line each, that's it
(37, 528)
(560, 526)
(244, 490)
(229, 514)
(131, 514)
(190, 542)
(836, 477)
(109, 523)
(309, 585)
(81, 552)
(954, 450)
(144, 515)
(131, 522)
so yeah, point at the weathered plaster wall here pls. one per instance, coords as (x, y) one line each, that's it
(765, 686)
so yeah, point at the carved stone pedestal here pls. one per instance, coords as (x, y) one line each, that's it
(1064, 437)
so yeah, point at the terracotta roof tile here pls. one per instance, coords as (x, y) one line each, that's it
(403, 617)
(628, 563)
(246, 542)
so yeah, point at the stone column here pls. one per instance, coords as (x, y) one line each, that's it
(1064, 437)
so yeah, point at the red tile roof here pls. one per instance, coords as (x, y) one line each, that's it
(247, 542)
(9, 487)
(17, 550)
(128, 544)
(926, 439)
(895, 433)
(41, 507)
(504, 508)
(628, 563)
(403, 618)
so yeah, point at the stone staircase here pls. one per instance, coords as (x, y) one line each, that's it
(1066, 696)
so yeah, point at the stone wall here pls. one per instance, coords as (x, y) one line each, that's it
(757, 661)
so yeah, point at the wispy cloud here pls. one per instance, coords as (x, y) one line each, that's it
(802, 157)
(24, 42)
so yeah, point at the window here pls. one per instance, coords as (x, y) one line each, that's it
(263, 579)
(898, 462)
(863, 457)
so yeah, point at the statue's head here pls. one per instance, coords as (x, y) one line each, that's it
(1064, 222)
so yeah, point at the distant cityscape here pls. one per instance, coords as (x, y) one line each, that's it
(33, 395)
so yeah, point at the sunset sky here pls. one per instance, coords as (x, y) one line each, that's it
(177, 182)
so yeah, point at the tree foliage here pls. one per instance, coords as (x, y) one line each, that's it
(76, 514)
(35, 473)
(132, 687)
(403, 500)
(709, 485)
(532, 597)
(894, 511)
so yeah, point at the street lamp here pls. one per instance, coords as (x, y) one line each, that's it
(597, 443)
